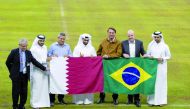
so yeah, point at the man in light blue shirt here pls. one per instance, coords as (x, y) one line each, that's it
(59, 49)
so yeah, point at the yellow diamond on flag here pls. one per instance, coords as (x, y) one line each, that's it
(130, 75)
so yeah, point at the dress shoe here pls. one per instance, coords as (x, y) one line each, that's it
(62, 102)
(138, 103)
(15, 107)
(21, 107)
(100, 101)
(115, 102)
(129, 102)
(52, 104)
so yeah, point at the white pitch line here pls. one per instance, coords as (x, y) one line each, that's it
(179, 105)
(144, 105)
(105, 105)
(62, 13)
(61, 8)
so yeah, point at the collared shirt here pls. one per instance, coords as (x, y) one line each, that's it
(59, 50)
(112, 49)
(132, 48)
(113, 40)
(22, 60)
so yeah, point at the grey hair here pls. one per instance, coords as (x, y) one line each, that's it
(23, 41)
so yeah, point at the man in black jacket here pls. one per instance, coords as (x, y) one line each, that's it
(132, 48)
(18, 64)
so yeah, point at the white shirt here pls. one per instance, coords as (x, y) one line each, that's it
(132, 48)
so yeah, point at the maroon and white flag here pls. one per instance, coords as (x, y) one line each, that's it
(76, 75)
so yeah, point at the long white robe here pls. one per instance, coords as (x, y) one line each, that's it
(86, 51)
(160, 50)
(39, 79)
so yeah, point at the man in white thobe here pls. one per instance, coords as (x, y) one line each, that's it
(38, 78)
(84, 48)
(159, 50)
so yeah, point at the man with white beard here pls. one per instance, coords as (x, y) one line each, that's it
(84, 48)
(159, 50)
(38, 78)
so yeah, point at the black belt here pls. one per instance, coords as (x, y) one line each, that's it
(22, 73)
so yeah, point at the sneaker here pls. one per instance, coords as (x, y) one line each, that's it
(79, 102)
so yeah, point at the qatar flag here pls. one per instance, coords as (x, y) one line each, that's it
(76, 75)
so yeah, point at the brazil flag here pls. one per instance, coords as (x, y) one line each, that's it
(130, 76)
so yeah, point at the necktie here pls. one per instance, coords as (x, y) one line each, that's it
(23, 69)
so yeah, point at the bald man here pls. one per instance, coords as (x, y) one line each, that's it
(132, 48)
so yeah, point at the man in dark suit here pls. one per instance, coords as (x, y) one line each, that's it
(132, 48)
(18, 64)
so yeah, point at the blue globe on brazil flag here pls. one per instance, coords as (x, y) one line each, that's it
(131, 75)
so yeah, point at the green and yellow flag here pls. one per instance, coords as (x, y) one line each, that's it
(130, 76)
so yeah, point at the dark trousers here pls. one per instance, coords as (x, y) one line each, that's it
(133, 98)
(52, 97)
(103, 95)
(19, 89)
